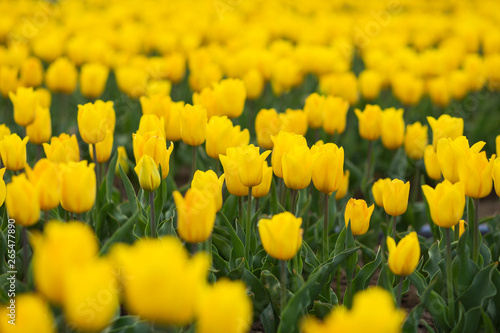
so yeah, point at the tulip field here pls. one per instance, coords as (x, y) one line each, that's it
(236, 166)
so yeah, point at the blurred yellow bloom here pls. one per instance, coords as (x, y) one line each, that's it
(132, 80)
(31, 73)
(250, 163)
(327, 167)
(297, 165)
(158, 87)
(404, 257)
(407, 88)
(8, 77)
(158, 105)
(78, 187)
(46, 178)
(370, 83)
(378, 191)
(173, 121)
(230, 97)
(147, 172)
(25, 105)
(232, 176)
(193, 124)
(335, 115)
(32, 314)
(254, 83)
(44, 97)
(415, 140)
(206, 98)
(281, 235)
(293, 121)
(359, 214)
(314, 108)
(439, 91)
(221, 134)
(344, 187)
(2, 186)
(395, 197)
(93, 77)
(446, 202)
(392, 128)
(263, 188)
(431, 163)
(4, 131)
(475, 172)
(208, 183)
(22, 201)
(369, 122)
(282, 143)
(13, 152)
(92, 124)
(62, 149)
(267, 124)
(61, 76)
(40, 130)
(445, 127)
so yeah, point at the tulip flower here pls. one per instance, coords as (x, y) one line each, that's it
(158, 105)
(78, 187)
(335, 115)
(2, 187)
(182, 280)
(450, 153)
(283, 142)
(22, 201)
(297, 167)
(496, 175)
(475, 172)
(93, 77)
(230, 97)
(62, 149)
(25, 105)
(61, 76)
(103, 149)
(147, 172)
(92, 124)
(431, 163)
(407, 88)
(370, 83)
(33, 306)
(132, 80)
(206, 98)
(392, 128)
(224, 307)
(250, 165)
(154, 145)
(208, 183)
(395, 197)
(293, 121)
(31, 73)
(46, 178)
(8, 77)
(230, 164)
(195, 215)
(369, 122)
(40, 130)
(359, 214)
(267, 124)
(439, 91)
(158, 88)
(13, 152)
(415, 140)
(404, 257)
(173, 121)
(151, 123)
(263, 188)
(122, 160)
(281, 235)
(446, 202)
(44, 97)
(193, 125)
(342, 191)
(378, 191)
(254, 84)
(4, 131)
(445, 127)
(314, 108)
(221, 134)
(327, 167)
(497, 143)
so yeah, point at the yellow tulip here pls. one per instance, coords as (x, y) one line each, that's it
(254, 83)
(415, 140)
(281, 235)
(61, 76)
(152, 290)
(158, 105)
(132, 80)
(195, 215)
(445, 127)
(314, 108)
(431, 163)
(446, 202)
(224, 307)
(22, 201)
(158, 88)
(44, 97)
(395, 197)
(232, 176)
(370, 83)
(263, 188)
(32, 314)
(404, 257)
(458, 84)
(122, 159)
(250, 165)
(293, 121)
(46, 178)
(221, 134)
(282, 143)
(297, 167)
(78, 187)
(151, 122)
(327, 167)
(496, 175)
(450, 154)
(31, 74)
(497, 143)
(378, 191)
(154, 145)
(25, 105)
(8, 77)
(173, 121)
(461, 227)
(147, 172)
(230, 97)
(92, 124)
(407, 88)
(359, 214)
(108, 112)
(267, 124)
(369, 122)
(4, 130)
(13, 152)
(62, 246)
(335, 115)
(344, 187)
(208, 183)
(103, 148)
(2, 186)
(206, 98)
(93, 77)
(62, 149)
(475, 172)
(193, 124)
(439, 91)
(392, 128)
(40, 130)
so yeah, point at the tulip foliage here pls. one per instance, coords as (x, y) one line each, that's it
(248, 166)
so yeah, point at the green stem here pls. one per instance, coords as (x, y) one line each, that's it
(240, 210)
(193, 169)
(394, 227)
(46, 214)
(97, 174)
(368, 160)
(282, 192)
(326, 220)
(449, 277)
(457, 231)
(400, 291)
(209, 249)
(294, 201)
(153, 220)
(475, 242)
(248, 228)
(283, 285)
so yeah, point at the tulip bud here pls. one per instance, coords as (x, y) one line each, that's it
(263, 188)
(445, 127)
(25, 105)
(395, 197)
(62, 149)
(33, 306)
(282, 143)
(415, 140)
(78, 187)
(193, 125)
(297, 167)
(8, 77)
(369, 122)
(31, 72)
(13, 152)
(404, 257)
(281, 235)
(230, 164)
(250, 165)
(61, 76)
(446, 202)
(267, 124)
(230, 97)
(314, 108)
(103, 148)
(40, 130)
(378, 191)
(108, 113)
(46, 178)
(327, 167)
(147, 172)
(475, 172)
(92, 124)
(335, 115)
(22, 201)
(293, 121)
(392, 128)
(208, 183)
(359, 214)
(370, 83)
(93, 79)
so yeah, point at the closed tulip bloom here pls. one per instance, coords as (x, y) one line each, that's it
(61, 76)
(13, 152)
(496, 175)
(8, 77)
(46, 178)
(230, 97)
(44, 97)
(93, 79)
(22, 201)
(250, 164)
(25, 105)
(267, 124)
(78, 187)
(263, 188)
(475, 172)
(370, 83)
(281, 235)
(31, 72)
(62, 246)
(297, 167)
(230, 164)
(173, 121)
(151, 122)
(208, 183)
(254, 83)
(158, 105)
(33, 314)
(62, 149)
(4, 130)
(94, 280)
(148, 174)
(404, 257)
(445, 127)
(359, 214)
(206, 98)
(108, 112)
(224, 307)
(314, 108)
(344, 187)
(369, 122)
(439, 91)
(221, 134)
(446, 202)
(431, 163)
(293, 121)
(407, 88)
(461, 227)
(132, 80)
(122, 160)
(154, 145)
(327, 167)
(103, 148)
(195, 215)
(395, 197)
(378, 191)
(282, 143)
(40, 130)
(450, 154)
(335, 115)
(392, 128)
(193, 124)
(92, 124)
(2, 187)
(415, 140)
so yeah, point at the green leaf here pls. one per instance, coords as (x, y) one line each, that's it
(237, 272)
(129, 189)
(480, 290)
(364, 276)
(272, 286)
(310, 260)
(267, 319)
(110, 176)
(238, 248)
(322, 309)
(220, 265)
(260, 300)
(101, 219)
(161, 196)
(120, 234)
(339, 245)
(431, 267)
(488, 324)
